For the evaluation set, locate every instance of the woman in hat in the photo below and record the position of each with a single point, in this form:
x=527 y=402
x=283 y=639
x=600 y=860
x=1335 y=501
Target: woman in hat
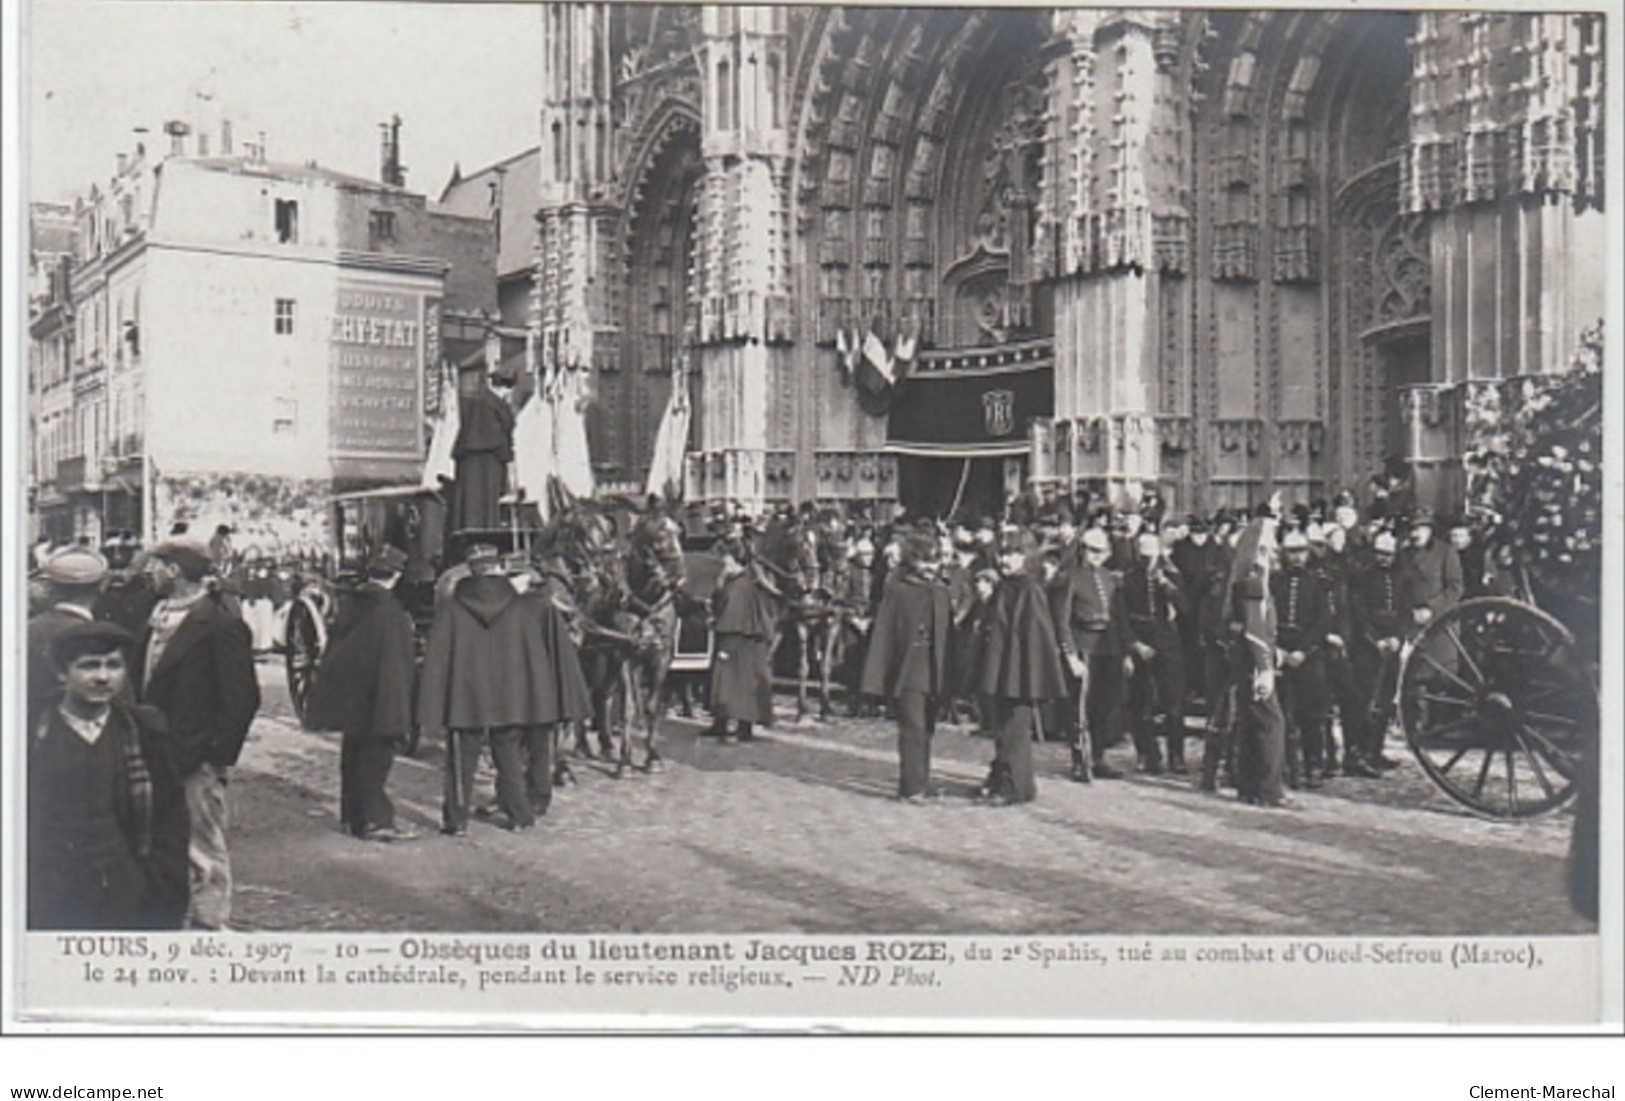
x=743 y=621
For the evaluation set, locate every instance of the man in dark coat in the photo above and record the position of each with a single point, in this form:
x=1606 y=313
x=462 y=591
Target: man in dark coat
x=487 y=672
x=107 y=823
x=1091 y=624
x=1380 y=622
x=546 y=602
x=1020 y=671
x=1155 y=603
x=482 y=451
x=197 y=664
x=364 y=689
x=908 y=659
x=1433 y=585
x=743 y=618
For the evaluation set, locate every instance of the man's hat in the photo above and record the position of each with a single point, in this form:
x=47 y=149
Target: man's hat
x=483 y=554
x=1384 y=543
x=75 y=566
x=387 y=559
x=990 y=576
x=89 y=637
x=1295 y=540
x=1095 y=539
x=1423 y=516
x=191 y=556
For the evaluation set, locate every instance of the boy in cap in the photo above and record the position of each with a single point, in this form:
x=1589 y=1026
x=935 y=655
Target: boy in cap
x=107 y=822
x=363 y=688
x=197 y=668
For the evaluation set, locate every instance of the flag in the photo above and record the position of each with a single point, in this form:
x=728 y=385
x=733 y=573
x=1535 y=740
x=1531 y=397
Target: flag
x=847 y=352
x=443 y=433
x=877 y=369
x=574 y=457
x=533 y=459
x=666 y=467
x=906 y=347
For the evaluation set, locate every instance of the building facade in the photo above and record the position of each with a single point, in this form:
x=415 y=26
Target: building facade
x=1218 y=254
x=234 y=340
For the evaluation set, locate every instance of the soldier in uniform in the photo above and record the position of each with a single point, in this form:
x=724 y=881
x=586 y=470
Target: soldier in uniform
x=1154 y=602
x=1379 y=619
x=907 y=661
x=1202 y=564
x=1302 y=608
x=1091 y=626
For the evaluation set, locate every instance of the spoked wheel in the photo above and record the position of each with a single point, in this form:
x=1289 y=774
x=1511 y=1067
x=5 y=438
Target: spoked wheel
x=306 y=639
x=1498 y=707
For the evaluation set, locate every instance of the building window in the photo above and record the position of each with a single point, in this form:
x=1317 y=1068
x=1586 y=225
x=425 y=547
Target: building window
x=284 y=317
x=381 y=228
x=287 y=221
x=285 y=421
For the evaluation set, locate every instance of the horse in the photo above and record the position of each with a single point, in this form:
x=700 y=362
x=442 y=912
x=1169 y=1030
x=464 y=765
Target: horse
x=806 y=558
x=626 y=592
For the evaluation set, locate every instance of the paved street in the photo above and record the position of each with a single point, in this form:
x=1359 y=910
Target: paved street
x=798 y=832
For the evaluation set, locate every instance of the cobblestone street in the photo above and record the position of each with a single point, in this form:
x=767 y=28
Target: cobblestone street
x=798 y=831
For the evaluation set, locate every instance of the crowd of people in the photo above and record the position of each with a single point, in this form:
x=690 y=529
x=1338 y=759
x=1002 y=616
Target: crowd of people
x=1279 y=629
x=1277 y=633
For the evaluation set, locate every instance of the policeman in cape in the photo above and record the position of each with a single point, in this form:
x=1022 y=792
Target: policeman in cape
x=1021 y=671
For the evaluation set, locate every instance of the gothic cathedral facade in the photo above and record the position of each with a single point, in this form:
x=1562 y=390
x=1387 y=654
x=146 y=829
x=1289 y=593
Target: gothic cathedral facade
x=933 y=255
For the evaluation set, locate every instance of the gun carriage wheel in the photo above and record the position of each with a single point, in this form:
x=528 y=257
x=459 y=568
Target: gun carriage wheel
x=1499 y=706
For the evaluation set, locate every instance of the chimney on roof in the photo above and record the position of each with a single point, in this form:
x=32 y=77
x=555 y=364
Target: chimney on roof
x=177 y=131
x=390 y=170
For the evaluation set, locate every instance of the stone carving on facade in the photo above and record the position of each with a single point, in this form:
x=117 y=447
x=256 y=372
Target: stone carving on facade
x=1176 y=435
x=1244 y=436
x=1403 y=271
x=1300 y=437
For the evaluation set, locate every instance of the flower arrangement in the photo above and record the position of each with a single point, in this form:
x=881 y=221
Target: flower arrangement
x=1534 y=467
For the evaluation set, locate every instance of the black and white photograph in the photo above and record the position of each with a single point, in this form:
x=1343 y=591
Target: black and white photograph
x=1062 y=514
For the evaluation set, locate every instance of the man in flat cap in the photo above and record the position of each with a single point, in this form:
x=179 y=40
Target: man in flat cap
x=72 y=580
x=363 y=688
x=107 y=822
x=197 y=668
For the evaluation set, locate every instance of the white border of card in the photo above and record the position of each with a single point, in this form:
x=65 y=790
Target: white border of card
x=778 y=980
